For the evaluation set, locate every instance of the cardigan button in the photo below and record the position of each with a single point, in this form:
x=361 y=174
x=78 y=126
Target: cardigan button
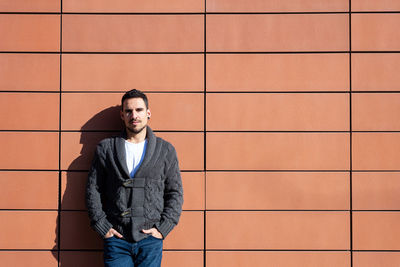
x=128 y=183
x=125 y=213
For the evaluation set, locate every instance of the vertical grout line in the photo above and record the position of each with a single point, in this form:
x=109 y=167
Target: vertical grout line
x=59 y=149
x=205 y=134
x=351 y=143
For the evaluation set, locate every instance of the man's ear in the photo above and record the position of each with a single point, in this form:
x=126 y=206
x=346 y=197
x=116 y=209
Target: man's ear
x=121 y=114
x=148 y=113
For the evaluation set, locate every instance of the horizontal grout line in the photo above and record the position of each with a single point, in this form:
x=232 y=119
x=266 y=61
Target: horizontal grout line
x=146 y=91
x=293 y=210
x=29 y=249
x=29 y=13
x=33 y=92
x=276 y=52
x=302 y=52
x=376 y=210
x=80 y=210
x=84 y=250
x=72 y=210
x=211 y=250
x=202 y=92
x=178 y=13
x=216 y=210
x=301 y=12
x=375 y=170
x=66 y=170
x=29 y=170
x=189 y=171
x=103 y=92
x=102 y=13
x=250 y=131
x=375 y=250
x=375 y=52
x=322 y=171
x=374 y=12
x=375 y=92
x=39 y=210
x=197 y=52
x=171 y=131
x=277 y=92
x=31 y=131
x=134 y=13
x=116 y=131
x=30 y=52
x=88 y=170
x=97 y=53
x=225 y=13
x=198 y=13
x=133 y=53
x=299 y=250
x=299 y=92
x=288 y=250
x=375 y=131
x=221 y=210
x=272 y=210
x=300 y=171
x=277 y=170
x=176 y=249
x=184 y=92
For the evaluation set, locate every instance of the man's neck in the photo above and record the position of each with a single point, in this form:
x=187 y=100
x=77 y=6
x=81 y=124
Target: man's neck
x=136 y=137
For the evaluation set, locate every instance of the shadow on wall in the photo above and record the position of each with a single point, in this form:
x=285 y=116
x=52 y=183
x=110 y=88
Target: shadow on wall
x=78 y=244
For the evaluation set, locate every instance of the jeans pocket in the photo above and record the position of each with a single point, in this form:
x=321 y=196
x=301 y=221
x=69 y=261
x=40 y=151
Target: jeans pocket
x=109 y=238
x=156 y=238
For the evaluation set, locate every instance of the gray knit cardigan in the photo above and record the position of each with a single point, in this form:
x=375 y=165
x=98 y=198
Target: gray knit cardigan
x=152 y=198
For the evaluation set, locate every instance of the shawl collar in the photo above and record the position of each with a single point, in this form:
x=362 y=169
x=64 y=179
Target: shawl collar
x=121 y=155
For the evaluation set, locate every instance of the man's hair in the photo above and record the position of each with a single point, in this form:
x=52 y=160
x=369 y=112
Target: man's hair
x=134 y=94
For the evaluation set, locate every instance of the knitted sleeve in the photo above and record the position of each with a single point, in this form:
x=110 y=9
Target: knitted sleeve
x=94 y=188
x=173 y=197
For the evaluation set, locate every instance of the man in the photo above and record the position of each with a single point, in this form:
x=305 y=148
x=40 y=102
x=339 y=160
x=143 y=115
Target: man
x=134 y=192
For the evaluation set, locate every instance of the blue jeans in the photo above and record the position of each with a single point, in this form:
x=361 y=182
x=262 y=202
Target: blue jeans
x=121 y=253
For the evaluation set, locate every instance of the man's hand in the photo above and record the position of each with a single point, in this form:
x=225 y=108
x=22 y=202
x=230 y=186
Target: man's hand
x=154 y=232
x=112 y=232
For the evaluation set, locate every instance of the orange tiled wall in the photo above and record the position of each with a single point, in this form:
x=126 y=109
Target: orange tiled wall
x=285 y=115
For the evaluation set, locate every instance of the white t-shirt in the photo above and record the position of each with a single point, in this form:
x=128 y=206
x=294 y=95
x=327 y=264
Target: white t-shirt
x=134 y=153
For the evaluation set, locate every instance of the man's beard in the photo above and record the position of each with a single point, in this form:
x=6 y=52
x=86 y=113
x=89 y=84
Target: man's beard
x=135 y=131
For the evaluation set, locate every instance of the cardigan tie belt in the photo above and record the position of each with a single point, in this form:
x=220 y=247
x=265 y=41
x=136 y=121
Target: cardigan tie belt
x=133 y=212
x=135 y=182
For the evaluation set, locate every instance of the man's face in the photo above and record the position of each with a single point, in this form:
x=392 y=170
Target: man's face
x=135 y=115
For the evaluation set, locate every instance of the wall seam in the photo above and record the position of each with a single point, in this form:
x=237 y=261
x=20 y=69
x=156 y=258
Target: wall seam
x=351 y=138
x=59 y=149
x=205 y=137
